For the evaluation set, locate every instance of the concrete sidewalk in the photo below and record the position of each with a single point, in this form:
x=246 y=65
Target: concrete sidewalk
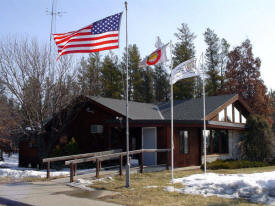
x=49 y=193
x=56 y=192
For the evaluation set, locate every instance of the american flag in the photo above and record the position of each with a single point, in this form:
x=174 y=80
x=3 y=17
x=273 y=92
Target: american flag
x=100 y=35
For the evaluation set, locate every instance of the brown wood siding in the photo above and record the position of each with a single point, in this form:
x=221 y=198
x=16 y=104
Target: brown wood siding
x=28 y=155
x=81 y=126
x=161 y=144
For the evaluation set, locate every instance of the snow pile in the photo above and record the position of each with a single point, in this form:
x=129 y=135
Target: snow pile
x=9 y=161
x=257 y=187
x=9 y=168
x=84 y=184
x=23 y=172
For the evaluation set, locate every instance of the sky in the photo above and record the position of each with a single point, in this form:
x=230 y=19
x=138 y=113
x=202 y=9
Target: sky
x=234 y=20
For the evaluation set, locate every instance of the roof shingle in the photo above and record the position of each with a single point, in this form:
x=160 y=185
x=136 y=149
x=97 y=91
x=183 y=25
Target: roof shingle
x=190 y=109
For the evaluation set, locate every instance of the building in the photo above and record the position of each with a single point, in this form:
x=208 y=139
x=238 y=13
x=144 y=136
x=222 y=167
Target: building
x=98 y=124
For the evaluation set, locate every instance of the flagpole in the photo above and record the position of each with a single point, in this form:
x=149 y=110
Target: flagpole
x=204 y=123
x=127 y=110
x=172 y=118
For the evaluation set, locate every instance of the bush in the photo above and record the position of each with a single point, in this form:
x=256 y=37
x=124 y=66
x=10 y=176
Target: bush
x=233 y=164
x=71 y=148
x=256 y=144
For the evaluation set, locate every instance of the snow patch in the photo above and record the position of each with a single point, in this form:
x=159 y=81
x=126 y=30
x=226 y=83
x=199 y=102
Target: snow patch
x=9 y=168
x=256 y=187
x=84 y=184
x=151 y=186
x=134 y=162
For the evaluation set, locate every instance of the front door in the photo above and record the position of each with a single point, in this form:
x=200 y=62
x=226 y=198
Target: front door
x=187 y=147
x=149 y=141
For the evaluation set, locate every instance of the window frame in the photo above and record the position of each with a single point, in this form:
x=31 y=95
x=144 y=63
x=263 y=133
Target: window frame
x=182 y=145
x=98 y=131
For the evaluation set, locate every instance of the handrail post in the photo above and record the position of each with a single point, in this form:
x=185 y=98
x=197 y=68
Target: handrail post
x=71 y=172
x=121 y=163
x=97 y=168
x=48 y=170
x=75 y=168
x=141 y=162
x=167 y=163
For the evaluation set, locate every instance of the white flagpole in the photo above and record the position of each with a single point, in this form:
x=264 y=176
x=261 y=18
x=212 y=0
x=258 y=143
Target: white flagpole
x=204 y=123
x=127 y=120
x=172 y=118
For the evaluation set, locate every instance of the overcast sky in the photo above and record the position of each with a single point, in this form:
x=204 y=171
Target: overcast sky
x=234 y=20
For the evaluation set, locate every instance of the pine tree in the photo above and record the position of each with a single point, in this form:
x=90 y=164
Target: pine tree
x=147 y=85
x=212 y=62
x=184 y=50
x=272 y=96
x=134 y=72
x=223 y=61
x=161 y=84
x=243 y=77
x=111 y=78
x=89 y=75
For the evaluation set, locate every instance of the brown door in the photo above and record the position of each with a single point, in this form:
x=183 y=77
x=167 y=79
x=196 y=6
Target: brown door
x=187 y=147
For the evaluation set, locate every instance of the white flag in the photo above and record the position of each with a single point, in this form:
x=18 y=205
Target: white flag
x=185 y=70
x=156 y=57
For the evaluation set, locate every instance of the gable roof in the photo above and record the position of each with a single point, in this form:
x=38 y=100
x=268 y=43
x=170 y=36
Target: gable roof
x=192 y=109
x=137 y=110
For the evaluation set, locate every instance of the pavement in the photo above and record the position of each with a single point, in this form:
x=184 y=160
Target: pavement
x=54 y=192
x=57 y=193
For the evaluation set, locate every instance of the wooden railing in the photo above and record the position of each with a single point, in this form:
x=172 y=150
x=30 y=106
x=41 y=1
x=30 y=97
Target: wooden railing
x=98 y=159
x=75 y=157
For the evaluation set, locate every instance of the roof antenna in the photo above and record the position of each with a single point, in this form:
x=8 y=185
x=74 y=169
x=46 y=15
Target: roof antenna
x=53 y=14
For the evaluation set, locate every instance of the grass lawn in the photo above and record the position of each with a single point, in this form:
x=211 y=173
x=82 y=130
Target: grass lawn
x=138 y=194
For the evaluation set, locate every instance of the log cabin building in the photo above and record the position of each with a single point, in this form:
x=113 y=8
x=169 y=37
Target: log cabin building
x=98 y=124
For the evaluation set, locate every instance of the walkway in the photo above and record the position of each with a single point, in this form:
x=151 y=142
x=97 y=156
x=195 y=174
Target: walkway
x=54 y=192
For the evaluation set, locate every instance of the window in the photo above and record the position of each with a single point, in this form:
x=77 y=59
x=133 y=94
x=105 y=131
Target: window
x=229 y=113
x=184 y=142
x=243 y=119
x=96 y=129
x=237 y=115
x=221 y=115
x=224 y=141
x=208 y=140
x=217 y=141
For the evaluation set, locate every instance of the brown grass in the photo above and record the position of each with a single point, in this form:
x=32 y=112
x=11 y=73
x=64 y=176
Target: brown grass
x=138 y=194
x=6 y=180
